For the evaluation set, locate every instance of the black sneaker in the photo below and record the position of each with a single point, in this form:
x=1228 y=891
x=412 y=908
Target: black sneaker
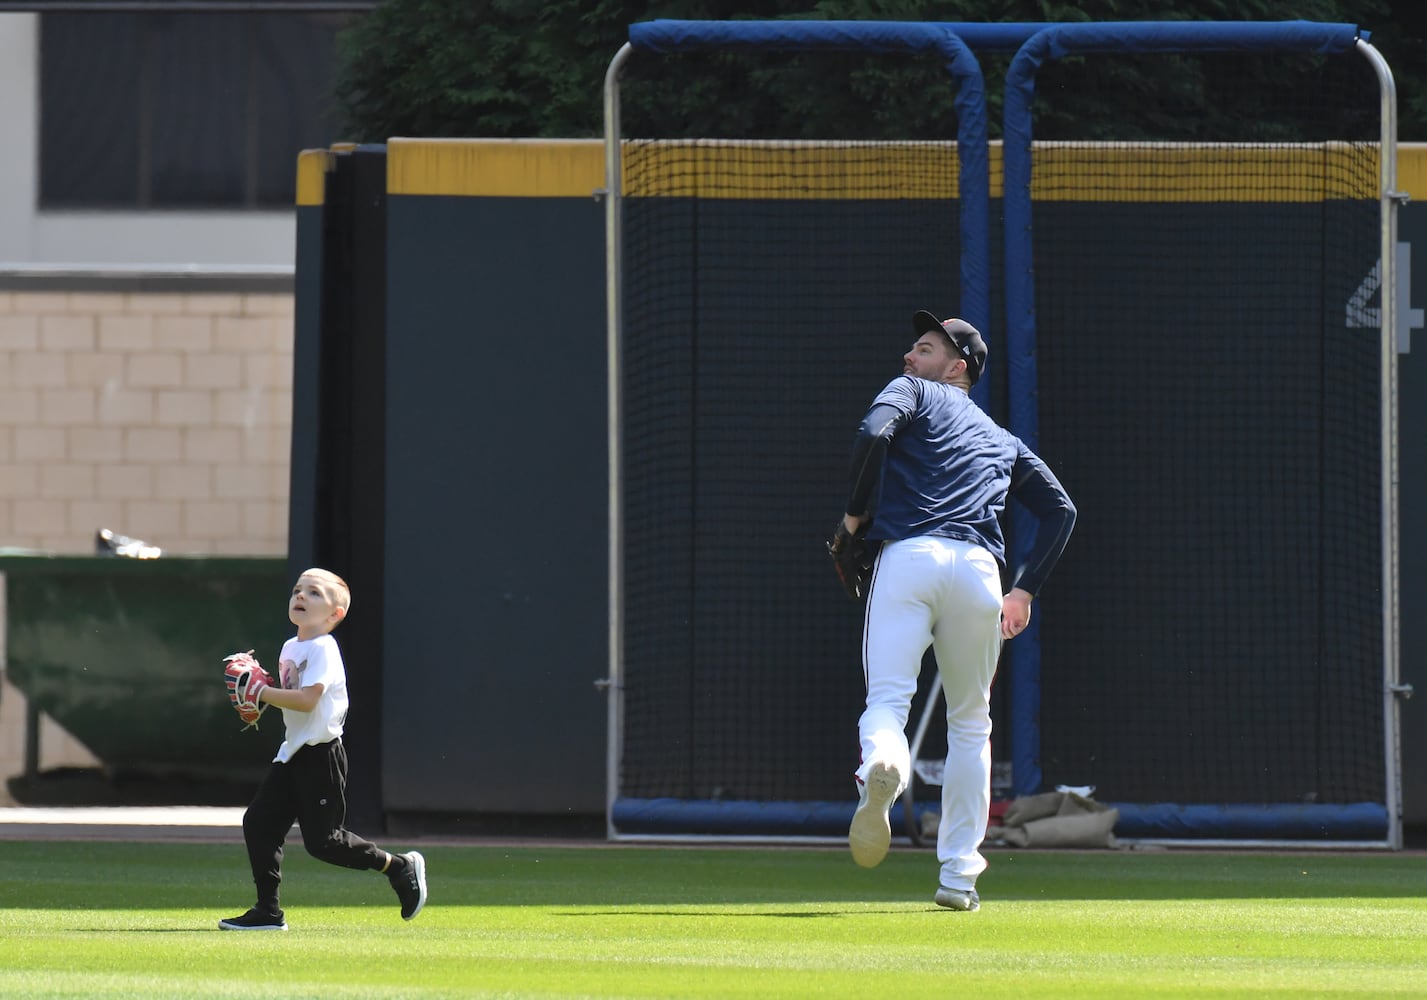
x=410 y=885
x=254 y=920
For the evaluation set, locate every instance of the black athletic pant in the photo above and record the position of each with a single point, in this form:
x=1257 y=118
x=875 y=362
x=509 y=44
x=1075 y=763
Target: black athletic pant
x=311 y=789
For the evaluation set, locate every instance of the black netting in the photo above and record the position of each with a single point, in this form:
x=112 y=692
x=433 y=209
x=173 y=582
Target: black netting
x=761 y=319
x=1205 y=392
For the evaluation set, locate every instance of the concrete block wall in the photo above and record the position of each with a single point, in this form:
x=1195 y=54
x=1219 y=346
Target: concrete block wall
x=164 y=416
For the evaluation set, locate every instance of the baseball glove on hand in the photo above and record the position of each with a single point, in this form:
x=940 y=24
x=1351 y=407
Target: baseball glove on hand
x=245 y=679
x=853 y=557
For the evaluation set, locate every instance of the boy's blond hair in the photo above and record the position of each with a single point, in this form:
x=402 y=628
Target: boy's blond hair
x=341 y=593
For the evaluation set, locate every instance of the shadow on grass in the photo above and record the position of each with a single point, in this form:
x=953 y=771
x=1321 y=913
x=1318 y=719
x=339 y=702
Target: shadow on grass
x=725 y=914
x=144 y=930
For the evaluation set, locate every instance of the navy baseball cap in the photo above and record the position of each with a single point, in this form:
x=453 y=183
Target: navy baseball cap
x=964 y=337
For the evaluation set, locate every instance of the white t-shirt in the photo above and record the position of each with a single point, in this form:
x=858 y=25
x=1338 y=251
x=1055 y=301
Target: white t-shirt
x=303 y=663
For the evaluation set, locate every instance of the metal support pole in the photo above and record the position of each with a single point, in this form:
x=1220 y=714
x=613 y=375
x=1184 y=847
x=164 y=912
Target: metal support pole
x=1390 y=198
x=613 y=683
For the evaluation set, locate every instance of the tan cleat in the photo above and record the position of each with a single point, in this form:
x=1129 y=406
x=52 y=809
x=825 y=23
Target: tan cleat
x=871 y=834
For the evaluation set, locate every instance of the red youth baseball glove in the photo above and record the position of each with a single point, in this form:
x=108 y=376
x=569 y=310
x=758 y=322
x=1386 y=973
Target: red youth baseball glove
x=245 y=679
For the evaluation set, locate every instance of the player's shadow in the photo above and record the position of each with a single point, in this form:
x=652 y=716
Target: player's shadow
x=143 y=930
x=791 y=914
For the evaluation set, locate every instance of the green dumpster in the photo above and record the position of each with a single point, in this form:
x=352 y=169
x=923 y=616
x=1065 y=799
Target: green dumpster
x=127 y=655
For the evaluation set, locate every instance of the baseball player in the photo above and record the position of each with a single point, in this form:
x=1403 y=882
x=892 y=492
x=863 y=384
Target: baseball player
x=929 y=481
x=307 y=780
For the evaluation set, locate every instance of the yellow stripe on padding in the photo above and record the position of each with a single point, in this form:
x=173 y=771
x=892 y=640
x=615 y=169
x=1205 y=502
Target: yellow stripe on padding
x=1138 y=172
x=313 y=166
x=1071 y=171
x=715 y=168
x=1412 y=169
x=1204 y=172
x=511 y=168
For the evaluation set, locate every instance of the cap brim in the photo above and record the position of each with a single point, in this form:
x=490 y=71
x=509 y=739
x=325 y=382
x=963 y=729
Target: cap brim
x=925 y=322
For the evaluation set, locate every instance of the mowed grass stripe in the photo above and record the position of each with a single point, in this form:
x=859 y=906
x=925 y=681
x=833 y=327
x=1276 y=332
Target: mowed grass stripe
x=120 y=920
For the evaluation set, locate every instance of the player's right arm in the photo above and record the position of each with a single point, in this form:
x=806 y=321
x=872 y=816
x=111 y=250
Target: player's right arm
x=298 y=700
x=1035 y=487
x=1015 y=612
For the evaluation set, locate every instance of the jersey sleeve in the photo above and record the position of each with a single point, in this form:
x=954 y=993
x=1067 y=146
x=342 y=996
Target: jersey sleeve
x=1035 y=487
x=892 y=408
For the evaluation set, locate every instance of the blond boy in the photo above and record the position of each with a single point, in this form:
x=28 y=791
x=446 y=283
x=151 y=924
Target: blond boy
x=307 y=780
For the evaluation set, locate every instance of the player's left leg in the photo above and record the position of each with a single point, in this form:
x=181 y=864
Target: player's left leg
x=897 y=632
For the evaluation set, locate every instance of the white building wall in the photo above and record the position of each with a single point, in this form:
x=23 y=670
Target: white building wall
x=240 y=238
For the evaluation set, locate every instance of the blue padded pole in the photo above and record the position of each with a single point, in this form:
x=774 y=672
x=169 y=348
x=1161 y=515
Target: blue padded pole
x=673 y=35
x=1056 y=42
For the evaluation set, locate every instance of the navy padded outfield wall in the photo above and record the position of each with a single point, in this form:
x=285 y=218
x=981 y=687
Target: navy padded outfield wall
x=1346 y=807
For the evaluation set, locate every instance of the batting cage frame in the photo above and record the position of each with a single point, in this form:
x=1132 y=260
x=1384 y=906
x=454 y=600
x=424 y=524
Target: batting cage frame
x=668 y=815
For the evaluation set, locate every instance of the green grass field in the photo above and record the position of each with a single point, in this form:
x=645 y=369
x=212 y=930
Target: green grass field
x=83 y=919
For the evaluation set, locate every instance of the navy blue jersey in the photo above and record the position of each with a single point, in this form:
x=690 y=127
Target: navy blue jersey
x=929 y=461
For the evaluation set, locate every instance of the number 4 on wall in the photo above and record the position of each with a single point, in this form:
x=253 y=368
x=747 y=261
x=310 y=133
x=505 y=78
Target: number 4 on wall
x=1408 y=319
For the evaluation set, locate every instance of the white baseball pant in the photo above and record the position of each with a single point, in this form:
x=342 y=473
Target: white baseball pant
x=937 y=592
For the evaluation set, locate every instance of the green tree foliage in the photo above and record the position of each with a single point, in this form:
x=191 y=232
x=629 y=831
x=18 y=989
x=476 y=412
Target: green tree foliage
x=536 y=68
